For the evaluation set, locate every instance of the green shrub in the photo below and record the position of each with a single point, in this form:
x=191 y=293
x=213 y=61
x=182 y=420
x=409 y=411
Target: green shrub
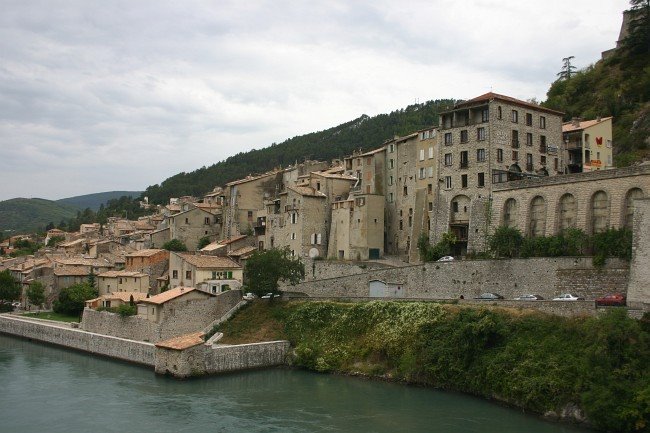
x=125 y=310
x=505 y=242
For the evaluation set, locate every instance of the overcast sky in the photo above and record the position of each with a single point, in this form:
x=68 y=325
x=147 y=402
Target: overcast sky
x=119 y=95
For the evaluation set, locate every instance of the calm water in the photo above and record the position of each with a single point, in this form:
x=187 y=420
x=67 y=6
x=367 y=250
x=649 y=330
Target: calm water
x=47 y=389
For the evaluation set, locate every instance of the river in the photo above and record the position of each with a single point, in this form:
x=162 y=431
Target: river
x=48 y=389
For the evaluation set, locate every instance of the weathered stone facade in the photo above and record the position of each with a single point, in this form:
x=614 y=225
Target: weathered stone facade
x=638 y=294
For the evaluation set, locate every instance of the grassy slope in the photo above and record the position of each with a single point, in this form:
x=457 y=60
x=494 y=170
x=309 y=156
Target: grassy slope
x=537 y=362
x=25 y=215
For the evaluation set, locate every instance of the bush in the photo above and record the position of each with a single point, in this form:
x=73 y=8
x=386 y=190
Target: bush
x=125 y=310
x=174 y=245
x=506 y=242
x=72 y=299
x=431 y=253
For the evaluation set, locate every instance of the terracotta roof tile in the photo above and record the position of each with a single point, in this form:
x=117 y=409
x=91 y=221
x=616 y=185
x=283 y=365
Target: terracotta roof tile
x=584 y=124
x=213 y=262
x=183 y=342
x=116 y=274
x=171 y=294
x=145 y=253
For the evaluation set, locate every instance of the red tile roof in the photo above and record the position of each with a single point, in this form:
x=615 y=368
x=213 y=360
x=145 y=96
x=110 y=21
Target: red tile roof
x=583 y=124
x=491 y=95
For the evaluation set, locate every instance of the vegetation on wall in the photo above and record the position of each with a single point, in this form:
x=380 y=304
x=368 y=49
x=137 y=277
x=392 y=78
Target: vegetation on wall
x=264 y=269
x=431 y=253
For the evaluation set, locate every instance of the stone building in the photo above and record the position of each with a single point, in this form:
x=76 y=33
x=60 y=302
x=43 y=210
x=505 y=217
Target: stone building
x=191 y=225
x=593 y=201
x=191 y=270
x=486 y=141
x=122 y=281
x=588 y=145
x=356 y=231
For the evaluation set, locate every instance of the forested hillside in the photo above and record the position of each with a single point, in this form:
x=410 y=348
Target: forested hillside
x=94 y=201
x=25 y=215
x=362 y=133
x=618 y=86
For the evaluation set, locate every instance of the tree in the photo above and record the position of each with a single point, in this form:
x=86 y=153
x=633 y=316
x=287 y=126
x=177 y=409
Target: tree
x=36 y=293
x=71 y=299
x=174 y=245
x=54 y=240
x=203 y=242
x=264 y=269
x=431 y=253
x=567 y=69
x=9 y=288
x=506 y=241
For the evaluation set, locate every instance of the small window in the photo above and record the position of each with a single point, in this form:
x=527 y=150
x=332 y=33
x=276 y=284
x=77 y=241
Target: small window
x=187 y=220
x=485 y=115
x=421 y=154
x=391 y=163
x=391 y=148
x=430 y=171
x=430 y=206
x=542 y=159
x=390 y=197
x=480 y=180
x=430 y=188
x=464 y=136
x=529 y=139
x=175 y=274
x=555 y=164
x=449 y=159
x=422 y=172
x=463 y=181
x=454 y=206
x=448 y=139
x=515 y=116
x=499 y=113
x=431 y=152
x=448 y=182
x=542 y=122
x=188 y=275
x=480 y=155
x=480 y=134
x=515 y=138
x=515 y=155
x=390 y=180
x=529 y=119
x=406 y=191
x=499 y=155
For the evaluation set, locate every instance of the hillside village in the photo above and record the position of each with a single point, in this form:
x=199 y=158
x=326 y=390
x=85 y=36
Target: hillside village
x=493 y=161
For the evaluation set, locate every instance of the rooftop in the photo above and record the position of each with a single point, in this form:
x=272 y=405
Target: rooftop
x=145 y=253
x=487 y=97
x=582 y=124
x=212 y=262
x=116 y=274
x=183 y=342
x=171 y=294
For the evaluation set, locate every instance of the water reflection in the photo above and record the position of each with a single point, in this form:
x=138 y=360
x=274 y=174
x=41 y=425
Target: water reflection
x=56 y=390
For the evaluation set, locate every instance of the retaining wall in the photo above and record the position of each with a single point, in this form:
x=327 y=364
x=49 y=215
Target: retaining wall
x=548 y=277
x=113 y=347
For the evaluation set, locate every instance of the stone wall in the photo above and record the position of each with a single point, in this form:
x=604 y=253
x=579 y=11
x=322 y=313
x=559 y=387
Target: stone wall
x=59 y=334
x=638 y=294
x=564 y=308
x=184 y=318
x=547 y=277
x=323 y=269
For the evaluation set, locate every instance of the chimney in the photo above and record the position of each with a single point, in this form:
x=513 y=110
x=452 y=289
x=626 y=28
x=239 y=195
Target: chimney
x=576 y=122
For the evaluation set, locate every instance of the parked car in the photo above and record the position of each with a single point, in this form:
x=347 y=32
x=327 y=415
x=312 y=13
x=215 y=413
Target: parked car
x=529 y=298
x=613 y=299
x=15 y=304
x=489 y=296
x=568 y=297
x=248 y=297
x=446 y=259
x=271 y=296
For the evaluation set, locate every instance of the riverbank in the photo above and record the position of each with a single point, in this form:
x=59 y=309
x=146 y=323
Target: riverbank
x=586 y=369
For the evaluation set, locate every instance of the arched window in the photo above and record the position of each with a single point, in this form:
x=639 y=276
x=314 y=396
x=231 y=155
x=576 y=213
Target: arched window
x=537 y=217
x=599 y=212
x=633 y=194
x=510 y=213
x=568 y=211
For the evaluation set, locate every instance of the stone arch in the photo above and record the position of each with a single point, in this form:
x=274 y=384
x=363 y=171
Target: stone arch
x=510 y=213
x=599 y=212
x=460 y=209
x=567 y=212
x=628 y=210
x=537 y=218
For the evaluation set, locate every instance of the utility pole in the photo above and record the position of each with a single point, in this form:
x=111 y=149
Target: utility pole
x=568 y=69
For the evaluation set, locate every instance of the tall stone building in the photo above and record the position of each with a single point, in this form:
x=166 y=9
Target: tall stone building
x=484 y=141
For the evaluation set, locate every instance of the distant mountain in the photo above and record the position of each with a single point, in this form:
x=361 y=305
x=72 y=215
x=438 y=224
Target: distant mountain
x=362 y=133
x=26 y=215
x=93 y=201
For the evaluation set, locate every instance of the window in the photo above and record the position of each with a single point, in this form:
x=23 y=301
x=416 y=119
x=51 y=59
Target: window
x=454 y=206
x=499 y=112
x=515 y=138
x=485 y=115
x=529 y=119
x=529 y=161
x=529 y=139
x=480 y=134
x=317 y=186
x=175 y=274
x=481 y=180
x=515 y=155
x=463 y=181
x=390 y=197
x=430 y=152
x=390 y=180
x=542 y=144
x=410 y=221
x=542 y=122
x=421 y=154
x=555 y=164
x=406 y=191
x=391 y=163
x=422 y=173
x=430 y=188
x=401 y=224
x=430 y=206
x=464 y=160
x=464 y=136
x=448 y=139
x=206 y=221
x=358 y=162
x=294 y=218
x=515 y=116
x=499 y=155
x=480 y=155
x=542 y=160
x=430 y=171
x=391 y=148
x=187 y=220
x=449 y=160
x=188 y=275
x=293 y=236
x=369 y=160
x=448 y=182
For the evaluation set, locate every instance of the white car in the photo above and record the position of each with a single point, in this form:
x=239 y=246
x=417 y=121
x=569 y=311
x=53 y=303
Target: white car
x=15 y=304
x=568 y=297
x=248 y=296
x=270 y=296
x=446 y=259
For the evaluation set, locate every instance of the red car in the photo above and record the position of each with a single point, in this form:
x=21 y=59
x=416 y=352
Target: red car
x=613 y=299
